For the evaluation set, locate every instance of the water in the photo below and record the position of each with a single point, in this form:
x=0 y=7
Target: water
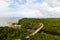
x=4 y=20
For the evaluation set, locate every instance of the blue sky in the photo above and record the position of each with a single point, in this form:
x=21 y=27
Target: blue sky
x=30 y=8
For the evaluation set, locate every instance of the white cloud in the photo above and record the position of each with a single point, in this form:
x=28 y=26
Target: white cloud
x=3 y=4
x=31 y=13
x=53 y=3
x=45 y=8
x=22 y=13
x=49 y=8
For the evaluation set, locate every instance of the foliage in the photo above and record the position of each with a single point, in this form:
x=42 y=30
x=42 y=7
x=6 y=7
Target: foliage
x=50 y=24
x=7 y=33
x=39 y=36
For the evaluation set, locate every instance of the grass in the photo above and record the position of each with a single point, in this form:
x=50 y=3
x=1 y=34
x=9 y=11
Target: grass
x=50 y=25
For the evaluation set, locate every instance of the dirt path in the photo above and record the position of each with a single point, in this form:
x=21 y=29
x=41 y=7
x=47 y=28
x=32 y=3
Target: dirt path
x=37 y=30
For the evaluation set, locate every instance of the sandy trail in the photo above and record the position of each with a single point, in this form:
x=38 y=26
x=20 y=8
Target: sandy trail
x=37 y=30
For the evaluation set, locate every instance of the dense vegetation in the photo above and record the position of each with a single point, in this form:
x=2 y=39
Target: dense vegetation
x=39 y=36
x=50 y=25
x=7 y=33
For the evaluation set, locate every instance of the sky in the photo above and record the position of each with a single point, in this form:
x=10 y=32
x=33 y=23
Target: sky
x=30 y=8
